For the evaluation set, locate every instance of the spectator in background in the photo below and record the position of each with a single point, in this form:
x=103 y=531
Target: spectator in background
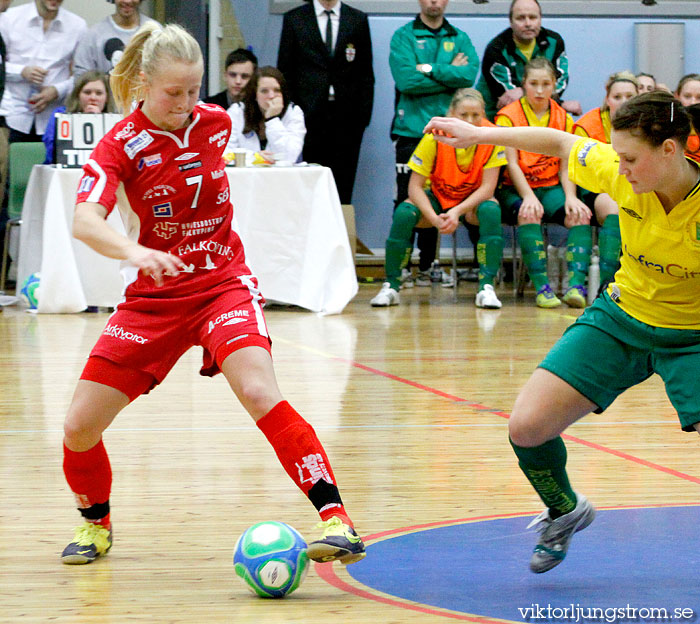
x=240 y=67
x=645 y=82
x=505 y=57
x=688 y=92
x=266 y=121
x=597 y=124
x=37 y=30
x=326 y=56
x=91 y=94
x=104 y=43
x=449 y=186
x=536 y=189
x=429 y=59
x=4 y=132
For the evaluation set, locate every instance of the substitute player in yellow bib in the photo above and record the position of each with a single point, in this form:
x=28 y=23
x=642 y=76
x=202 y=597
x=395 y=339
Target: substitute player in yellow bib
x=648 y=319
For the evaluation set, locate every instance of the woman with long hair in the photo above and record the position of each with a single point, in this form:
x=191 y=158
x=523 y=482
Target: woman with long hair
x=187 y=284
x=647 y=320
x=266 y=121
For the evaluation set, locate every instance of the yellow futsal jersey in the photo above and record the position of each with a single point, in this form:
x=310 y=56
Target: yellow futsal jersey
x=423 y=158
x=658 y=282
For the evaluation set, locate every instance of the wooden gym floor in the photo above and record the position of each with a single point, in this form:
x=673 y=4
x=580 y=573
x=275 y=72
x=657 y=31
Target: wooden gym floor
x=411 y=404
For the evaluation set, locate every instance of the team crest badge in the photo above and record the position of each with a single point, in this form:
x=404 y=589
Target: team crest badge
x=694 y=232
x=448 y=46
x=350 y=53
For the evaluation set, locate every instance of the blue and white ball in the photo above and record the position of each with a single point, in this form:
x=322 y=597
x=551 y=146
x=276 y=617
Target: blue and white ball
x=30 y=290
x=271 y=559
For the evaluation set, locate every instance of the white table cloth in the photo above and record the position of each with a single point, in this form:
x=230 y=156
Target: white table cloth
x=289 y=219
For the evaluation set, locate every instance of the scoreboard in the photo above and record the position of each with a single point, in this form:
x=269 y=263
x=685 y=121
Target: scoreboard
x=77 y=134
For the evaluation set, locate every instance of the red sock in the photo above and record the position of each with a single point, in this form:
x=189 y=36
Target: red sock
x=302 y=456
x=89 y=476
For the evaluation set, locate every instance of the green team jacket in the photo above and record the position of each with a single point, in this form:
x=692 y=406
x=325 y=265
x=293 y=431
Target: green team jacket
x=503 y=65
x=420 y=97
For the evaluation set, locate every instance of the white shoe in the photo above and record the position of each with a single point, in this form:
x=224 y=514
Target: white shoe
x=406 y=279
x=387 y=296
x=486 y=298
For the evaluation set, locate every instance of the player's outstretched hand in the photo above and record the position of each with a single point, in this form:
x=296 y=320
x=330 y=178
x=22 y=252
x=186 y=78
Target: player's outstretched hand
x=451 y=131
x=155 y=263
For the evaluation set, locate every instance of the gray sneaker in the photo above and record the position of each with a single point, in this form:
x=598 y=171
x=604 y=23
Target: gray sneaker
x=556 y=534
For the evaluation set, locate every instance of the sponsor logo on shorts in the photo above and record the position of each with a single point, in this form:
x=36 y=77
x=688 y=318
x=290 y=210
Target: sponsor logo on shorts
x=163 y=210
x=138 y=143
x=588 y=146
x=187 y=156
x=191 y=165
x=119 y=332
x=229 y=318
x=86 y=184
x=219 y=173
x=150 y=161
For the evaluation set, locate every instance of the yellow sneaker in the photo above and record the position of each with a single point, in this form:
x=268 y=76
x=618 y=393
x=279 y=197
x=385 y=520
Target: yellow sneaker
x=338 y=542
x=576 y=297
x=89 y=542
x=546 y=298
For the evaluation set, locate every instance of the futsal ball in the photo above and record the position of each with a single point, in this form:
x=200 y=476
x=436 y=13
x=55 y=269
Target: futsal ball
x=271 y=559
x=29 y=293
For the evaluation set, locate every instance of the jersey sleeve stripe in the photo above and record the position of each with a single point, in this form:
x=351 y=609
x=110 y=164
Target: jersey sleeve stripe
x=97 y=190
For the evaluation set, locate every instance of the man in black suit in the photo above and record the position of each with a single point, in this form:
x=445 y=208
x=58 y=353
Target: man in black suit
x=326 y=56
x=240 y=67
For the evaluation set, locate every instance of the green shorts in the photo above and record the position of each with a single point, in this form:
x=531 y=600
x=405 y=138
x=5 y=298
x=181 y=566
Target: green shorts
x=552 y=199
x=607 y=351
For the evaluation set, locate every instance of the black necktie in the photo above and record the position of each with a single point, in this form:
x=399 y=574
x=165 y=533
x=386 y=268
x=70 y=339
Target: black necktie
x=329 y=33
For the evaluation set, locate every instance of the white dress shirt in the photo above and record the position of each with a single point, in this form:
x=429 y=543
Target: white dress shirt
x=22 y=29
x=285 y=135
x=322 y=20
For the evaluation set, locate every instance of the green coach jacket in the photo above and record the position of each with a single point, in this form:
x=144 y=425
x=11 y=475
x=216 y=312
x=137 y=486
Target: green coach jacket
x=503 y=65
x=420 y=96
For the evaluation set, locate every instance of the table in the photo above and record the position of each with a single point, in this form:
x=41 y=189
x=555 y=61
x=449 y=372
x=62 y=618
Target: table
x=289 y=219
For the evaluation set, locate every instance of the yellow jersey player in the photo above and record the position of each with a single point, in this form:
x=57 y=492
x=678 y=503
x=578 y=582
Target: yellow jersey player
x=648 y=319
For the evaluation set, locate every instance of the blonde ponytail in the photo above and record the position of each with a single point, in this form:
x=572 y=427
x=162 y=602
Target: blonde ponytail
x=147 y=51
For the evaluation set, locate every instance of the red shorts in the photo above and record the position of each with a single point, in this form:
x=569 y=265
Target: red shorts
x=150 y=334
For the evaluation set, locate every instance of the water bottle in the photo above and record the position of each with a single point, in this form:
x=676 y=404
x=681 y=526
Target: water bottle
x=593 y=278
x=435 y=271
x=553 y=267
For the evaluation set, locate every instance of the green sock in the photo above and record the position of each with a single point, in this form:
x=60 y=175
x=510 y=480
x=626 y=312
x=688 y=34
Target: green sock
x=489 y=249
x=398 y=245
x=534 y=255
x=609 y=247
x=578 y=254
x=545 y=468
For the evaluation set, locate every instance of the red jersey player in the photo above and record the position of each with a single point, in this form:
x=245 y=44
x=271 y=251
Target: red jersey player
x=182 y=260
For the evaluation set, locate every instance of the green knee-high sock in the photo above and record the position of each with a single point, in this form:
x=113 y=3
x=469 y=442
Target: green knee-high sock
x=398 y=245
x=578 y=254
x=545 y=468
x=489 y=249
x=534 y=255
x=609 y=247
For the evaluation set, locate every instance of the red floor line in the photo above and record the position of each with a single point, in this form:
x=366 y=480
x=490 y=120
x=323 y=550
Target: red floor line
x=566 y=436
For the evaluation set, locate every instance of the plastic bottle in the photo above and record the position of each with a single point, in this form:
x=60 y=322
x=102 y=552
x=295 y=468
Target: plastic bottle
x=553 y=276
x=435 y=272
x=593 y=278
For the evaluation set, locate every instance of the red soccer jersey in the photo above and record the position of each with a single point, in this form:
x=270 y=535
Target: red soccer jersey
x=178 y=197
